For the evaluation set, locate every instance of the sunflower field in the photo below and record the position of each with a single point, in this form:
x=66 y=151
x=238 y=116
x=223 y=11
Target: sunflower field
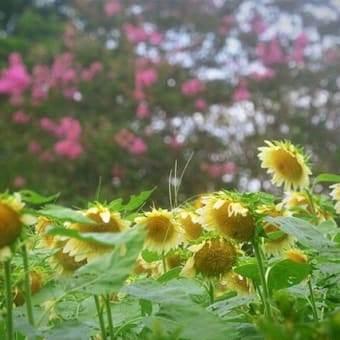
x=222 y=265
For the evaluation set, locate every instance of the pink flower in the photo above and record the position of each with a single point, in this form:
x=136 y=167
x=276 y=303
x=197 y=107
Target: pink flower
x=69 y=128
x=215 y=170
x=223 y=31
x=271 y=53
x=192 y=87
x=300 y=43
x=266 y=73
x=175 y=143
x=68 y=148
x=20 y=117
x=301 y=40
x=229 y=20
x=143 y=110
x=138 y=146
x=147 y=77
x=200 y=104
x=229 y=168
x=48 y=125
x=134 y=34
x=19 y=182
x=241 y=93
x=112 y=7
x=155 y=38
x=34 y=147
x=257 y=24
x=46 y=156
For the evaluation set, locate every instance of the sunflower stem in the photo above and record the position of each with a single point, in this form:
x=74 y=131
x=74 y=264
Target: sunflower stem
x=100 y=317
x=265 y=290
x=312 y=206
x=9 y=300
x=27 y=285
x=164 y=262
x=109 y=316
x=312 y=300
x=211 y=292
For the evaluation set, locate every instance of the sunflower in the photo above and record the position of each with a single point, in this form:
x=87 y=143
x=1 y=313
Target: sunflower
x=190 y=224
x=153 y=269
x=287 y=163
x=296 y=255
x=299 y=203
x=11 y=219
x=45 y=241
x=106 y=222
x=212 y=257
x=163 y=231
x=275 y=244
x=335 y=194
x=228 y=216
x=234 y=282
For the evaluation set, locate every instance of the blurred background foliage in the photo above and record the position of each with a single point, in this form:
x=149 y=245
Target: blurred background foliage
x=116 y=93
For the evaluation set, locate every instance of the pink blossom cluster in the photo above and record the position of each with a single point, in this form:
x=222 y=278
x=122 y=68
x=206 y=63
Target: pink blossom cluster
x=241 y=93
x=271 y=52
x=143 y=110
x=20 y=117
x=218 y=170
x=68 y=130
x=136 y=34
x=227 y=23
x=145 y=76
x=112 y=7
x=130 y=142
x=200 y=104
x=299 y=45
x=192 y=87
x=266 y=73
x=15 y=79
x=257 y=23
x=40 y=84
x=87 y=74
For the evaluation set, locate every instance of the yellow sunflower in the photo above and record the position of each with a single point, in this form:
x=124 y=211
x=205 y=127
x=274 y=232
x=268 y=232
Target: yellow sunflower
x=296 y=255
x=275 y=246
x=189 y=221
x=11 y=219
x=212 y=257
x=107 y=222
x=335 y=194
x=153 y=269
x=234 y=282
x=298 y=202
x=287 y=163
x=228 y=216
x=163 y=231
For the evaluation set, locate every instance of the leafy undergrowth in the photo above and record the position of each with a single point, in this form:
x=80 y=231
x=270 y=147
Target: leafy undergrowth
x=225 y=265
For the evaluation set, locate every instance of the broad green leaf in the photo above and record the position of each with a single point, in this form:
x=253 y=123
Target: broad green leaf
x=170 y=275
x=67 y=310
x=106 y=274
x=327 y=178
x=134 y=203
x=32 y=197
x=224 y=307
x=304 y=232
x=108 y=239
x=177 y=310
x=287 y=273
x=150 y=256
x=74 y=330
x=250 y=270
x=64 y=214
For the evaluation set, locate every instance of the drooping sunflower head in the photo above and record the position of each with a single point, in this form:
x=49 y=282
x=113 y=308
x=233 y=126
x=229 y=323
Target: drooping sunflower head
x=45 y=241
x=299 y=203
x=296 y=255
x=234 y=282
x=227 y=215
x=335 y=194
x=212 y=257
x=142 y=267
x=163 y=231
x=10 y=219
x=287 y=163
x=106 y=222
x=189 y=222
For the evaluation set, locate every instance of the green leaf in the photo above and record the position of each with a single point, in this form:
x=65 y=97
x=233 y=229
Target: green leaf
x=170 y=275
x=287 y=273
x=250 y=270
x=134 y=203
x=177 y=310
x=32 y=197
x=327 y=178
x=108 y=239
x=224 y=307
x=106 y=274
x=150 y=256
x=304 y=232
x=73 y=329
x=64 y=214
